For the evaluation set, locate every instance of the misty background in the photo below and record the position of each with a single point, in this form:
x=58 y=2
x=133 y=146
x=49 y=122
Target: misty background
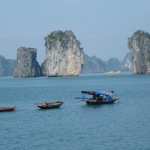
x=102 y=27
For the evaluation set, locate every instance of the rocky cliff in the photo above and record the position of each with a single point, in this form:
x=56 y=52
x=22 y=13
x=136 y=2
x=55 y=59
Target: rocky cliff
x=7 y=66
x=27 y=65
x=127 y=63
x=139 y=44
x=64 y=56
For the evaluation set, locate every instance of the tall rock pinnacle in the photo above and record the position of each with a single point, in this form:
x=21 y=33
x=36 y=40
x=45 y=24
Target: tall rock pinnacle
x=64 y=57
x=27 y=65
x=139 y=44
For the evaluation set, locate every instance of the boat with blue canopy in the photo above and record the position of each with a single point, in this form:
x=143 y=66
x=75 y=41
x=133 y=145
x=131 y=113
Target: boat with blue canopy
x=102 y=97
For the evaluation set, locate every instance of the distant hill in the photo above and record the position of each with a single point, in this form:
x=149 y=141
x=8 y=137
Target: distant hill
x=93 y=65
x=113 y=64
x=96 y=65
x=7 y=66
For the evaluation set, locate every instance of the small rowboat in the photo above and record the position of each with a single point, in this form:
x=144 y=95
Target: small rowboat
x=4 y=109
x=45 y=105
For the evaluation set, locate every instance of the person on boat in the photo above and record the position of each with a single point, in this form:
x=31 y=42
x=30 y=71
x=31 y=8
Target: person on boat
x=112 y=94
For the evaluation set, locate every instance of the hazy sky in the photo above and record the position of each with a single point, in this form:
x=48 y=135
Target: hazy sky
x=102 y=26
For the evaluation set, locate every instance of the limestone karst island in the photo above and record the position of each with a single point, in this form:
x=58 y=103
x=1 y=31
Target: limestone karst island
x=65 y=57
x=27 y=65
x=139 y=44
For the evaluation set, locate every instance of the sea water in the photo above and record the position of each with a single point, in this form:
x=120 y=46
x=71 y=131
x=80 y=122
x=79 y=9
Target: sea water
x=124 y=125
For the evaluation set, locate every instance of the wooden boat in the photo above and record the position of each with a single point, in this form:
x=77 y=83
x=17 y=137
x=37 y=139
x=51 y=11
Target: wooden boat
x=95 y=101
x=101 y=97
x=45 y=105
x=4 y=109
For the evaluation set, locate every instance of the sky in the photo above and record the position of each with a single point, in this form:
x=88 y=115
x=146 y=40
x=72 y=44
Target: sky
x=102 y=26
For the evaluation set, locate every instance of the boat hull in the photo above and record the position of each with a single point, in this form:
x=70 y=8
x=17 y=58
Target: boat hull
x=5 y=109
x=49 y=105
x=95 y=102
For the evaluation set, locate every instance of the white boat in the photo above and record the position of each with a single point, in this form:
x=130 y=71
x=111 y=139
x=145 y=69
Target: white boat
x=111 y=73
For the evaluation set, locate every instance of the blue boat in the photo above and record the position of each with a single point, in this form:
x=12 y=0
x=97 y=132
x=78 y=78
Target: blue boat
x=102 y=97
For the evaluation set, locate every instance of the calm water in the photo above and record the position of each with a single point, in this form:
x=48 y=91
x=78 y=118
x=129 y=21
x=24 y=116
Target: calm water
x=124 y=125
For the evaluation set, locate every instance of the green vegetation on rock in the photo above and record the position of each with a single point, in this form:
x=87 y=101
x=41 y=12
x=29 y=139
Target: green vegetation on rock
x=148 y=58
x=142 y=33
x=62 y=37
x=59 y=35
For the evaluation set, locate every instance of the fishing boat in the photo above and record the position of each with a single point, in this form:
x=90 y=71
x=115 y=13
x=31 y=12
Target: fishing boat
x=102 y=97
x=4 y=109
x=45 y=105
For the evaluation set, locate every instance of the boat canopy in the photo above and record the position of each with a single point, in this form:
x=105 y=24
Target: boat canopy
x=105 y=94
